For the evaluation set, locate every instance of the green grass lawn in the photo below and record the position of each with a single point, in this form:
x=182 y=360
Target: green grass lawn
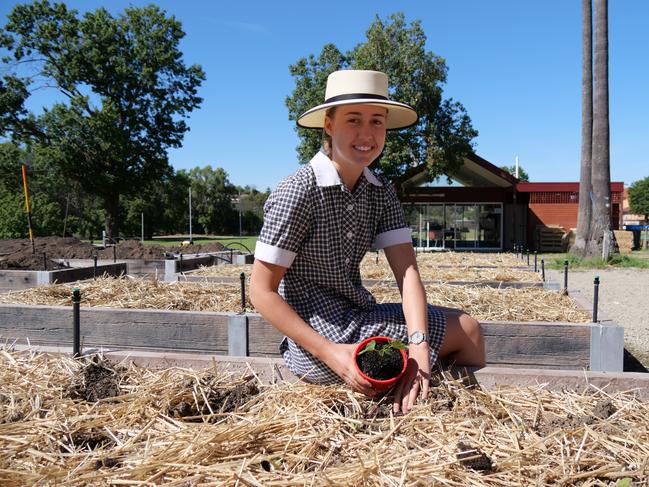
x=231 y=241
x=556 y=261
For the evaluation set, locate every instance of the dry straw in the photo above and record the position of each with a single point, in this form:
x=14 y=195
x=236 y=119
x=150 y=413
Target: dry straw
x=301 y=434
x=504 y=304
x=466 y=267
x=140 y=293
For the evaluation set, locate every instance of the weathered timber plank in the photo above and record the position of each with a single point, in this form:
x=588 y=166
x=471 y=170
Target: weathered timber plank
x=558 y=345
x=264 y=339
x=108 y=327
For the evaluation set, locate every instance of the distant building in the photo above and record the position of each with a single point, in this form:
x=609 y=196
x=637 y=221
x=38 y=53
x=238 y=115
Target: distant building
x=486 y=208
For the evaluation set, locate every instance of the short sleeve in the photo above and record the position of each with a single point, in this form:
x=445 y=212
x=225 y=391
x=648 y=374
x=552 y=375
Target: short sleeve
x=392 y=228
x=287 y=220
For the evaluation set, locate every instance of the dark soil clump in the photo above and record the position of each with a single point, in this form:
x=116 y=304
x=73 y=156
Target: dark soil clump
x=473 y=457
x=99 y=381
x=219 y=399
x=380 y=366
x=107 y=462
x=90 y=440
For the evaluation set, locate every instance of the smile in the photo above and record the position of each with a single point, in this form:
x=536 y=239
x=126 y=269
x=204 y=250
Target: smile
x=363 y=148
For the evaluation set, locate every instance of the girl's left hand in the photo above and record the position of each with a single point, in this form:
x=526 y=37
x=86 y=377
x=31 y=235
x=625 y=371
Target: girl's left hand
x=416 y=381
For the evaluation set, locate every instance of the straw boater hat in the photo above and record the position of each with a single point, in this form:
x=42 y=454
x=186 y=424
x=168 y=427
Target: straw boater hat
x=352 y=87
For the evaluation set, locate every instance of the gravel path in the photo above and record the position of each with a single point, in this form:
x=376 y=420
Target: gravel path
x=623 y=298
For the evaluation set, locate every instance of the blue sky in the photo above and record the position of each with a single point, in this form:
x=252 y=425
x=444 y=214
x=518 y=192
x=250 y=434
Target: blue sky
x=514 y=65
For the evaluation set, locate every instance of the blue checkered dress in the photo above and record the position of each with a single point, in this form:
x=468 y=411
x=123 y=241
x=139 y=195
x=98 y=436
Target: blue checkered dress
x=320 y=231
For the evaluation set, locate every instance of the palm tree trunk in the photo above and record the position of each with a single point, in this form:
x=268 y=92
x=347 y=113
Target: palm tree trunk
x=585 y=185
x=601 y=243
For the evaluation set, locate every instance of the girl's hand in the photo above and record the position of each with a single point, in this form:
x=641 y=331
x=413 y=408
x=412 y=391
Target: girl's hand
x=416 y=381
x=340 y=358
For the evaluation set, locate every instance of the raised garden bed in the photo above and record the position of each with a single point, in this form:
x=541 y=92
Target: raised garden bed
x=14 y=280
x=76 y=422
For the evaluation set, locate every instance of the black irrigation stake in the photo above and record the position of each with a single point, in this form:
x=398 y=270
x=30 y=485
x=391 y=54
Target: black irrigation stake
x=76 y=322
x=543 y=270
x=181 y=264
x=565 y=276
x=377 y=257
x=115 y=253
x=527 y=251
x=595 y=298
x=242 y=276
x=44 y=261
x=536 y=267
x=94 y=267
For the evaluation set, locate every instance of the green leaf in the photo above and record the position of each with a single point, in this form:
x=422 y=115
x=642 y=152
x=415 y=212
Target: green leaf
x=370 y=347
x=625 y=482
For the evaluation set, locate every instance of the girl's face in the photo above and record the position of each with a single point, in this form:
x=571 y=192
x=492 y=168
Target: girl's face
x=357 y=135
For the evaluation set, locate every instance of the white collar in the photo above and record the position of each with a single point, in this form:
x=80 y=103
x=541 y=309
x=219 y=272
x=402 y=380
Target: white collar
x=326 y=174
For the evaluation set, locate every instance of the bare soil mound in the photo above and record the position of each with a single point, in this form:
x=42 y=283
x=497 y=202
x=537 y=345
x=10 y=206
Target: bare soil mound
x=18 y=254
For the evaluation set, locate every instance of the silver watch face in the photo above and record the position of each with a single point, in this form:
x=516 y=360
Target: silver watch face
x=417 y=337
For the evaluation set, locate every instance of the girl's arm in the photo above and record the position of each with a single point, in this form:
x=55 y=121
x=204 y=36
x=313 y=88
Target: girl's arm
x=403 y=263
x=264 y=283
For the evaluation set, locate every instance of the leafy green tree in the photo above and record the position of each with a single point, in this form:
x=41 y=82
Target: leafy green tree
x=212 y=200
x=126 y=87
x=639 y=198
x=522 y=173
x=164 y=205
x=443 y=135
x=250 y=205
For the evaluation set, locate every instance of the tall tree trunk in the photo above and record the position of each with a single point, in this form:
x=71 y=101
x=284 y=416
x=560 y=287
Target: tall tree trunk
x=111 y=212
x=601 y=243
x=585 y=185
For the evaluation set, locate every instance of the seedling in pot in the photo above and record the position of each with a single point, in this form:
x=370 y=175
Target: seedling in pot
x=381 y=361
x=387 y=348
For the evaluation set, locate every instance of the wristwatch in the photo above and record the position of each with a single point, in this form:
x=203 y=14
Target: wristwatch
x=417 y=337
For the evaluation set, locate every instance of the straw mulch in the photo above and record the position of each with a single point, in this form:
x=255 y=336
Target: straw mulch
x=429 y=268
x=138 y=293
x=224 y=270
x=504 y=304
x=181 y=427
x=493 y=304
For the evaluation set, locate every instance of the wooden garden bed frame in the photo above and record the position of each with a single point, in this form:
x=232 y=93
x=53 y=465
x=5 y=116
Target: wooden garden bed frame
x=568 y=346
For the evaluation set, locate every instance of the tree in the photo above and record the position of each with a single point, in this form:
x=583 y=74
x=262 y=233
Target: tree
x=585 y=185
x=443 y=135
x=212 y=200
x=639 y=198
x=164 y=205
x=126 y=88
x=594 y=234
x=522 y=173
x=601 y=242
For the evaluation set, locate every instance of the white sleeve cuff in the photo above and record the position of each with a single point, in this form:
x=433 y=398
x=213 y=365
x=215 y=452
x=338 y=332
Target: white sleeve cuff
x=274 y=255
x=392 y=237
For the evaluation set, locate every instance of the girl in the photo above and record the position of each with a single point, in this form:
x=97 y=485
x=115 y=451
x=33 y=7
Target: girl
x=318 y=225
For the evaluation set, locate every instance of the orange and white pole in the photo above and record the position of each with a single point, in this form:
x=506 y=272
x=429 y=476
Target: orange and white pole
x=28 y=208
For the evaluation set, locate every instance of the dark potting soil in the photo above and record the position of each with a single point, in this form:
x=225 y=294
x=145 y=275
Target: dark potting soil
x=380 y=366
x=86 y=440
x=100 y=381
x=219 y=399
x=473 y=457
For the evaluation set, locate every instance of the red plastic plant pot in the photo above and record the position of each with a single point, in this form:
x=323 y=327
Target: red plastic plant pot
x=380 y=385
